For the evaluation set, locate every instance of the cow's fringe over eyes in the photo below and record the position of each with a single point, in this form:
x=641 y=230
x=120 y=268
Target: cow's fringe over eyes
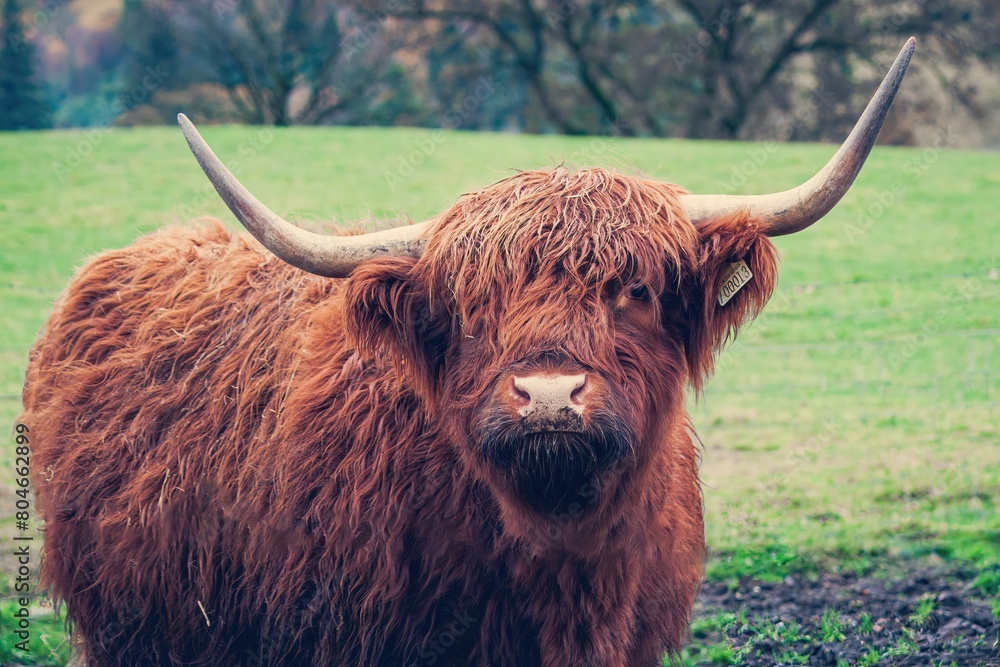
x=591 y=226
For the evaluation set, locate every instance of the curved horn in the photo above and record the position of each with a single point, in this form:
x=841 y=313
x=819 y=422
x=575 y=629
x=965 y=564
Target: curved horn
x=794 y=210
x=331 y=256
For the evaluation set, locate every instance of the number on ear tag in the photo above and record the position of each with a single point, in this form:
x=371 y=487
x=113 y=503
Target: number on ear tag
x=735 y=277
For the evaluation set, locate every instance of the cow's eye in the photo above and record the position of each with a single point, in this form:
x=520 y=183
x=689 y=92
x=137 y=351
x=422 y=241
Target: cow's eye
x=638 y=293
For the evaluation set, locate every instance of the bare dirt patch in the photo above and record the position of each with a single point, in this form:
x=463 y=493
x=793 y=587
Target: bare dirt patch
x=902 y=618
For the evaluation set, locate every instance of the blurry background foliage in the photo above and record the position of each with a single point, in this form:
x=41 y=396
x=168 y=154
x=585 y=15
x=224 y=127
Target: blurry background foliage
x=725 y=69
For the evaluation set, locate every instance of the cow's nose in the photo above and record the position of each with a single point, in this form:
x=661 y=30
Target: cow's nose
x=548 y=395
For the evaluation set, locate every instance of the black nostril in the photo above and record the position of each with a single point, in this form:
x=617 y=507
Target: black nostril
x=519 y=392
x=577 y=392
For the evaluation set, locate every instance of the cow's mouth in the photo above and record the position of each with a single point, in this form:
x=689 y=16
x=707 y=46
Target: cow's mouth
x=555 y=472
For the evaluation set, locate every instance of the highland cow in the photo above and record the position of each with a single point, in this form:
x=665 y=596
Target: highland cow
x=461 y=442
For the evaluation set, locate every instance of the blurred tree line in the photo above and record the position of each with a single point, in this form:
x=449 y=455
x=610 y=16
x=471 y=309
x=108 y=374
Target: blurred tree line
x=23 y=102
x=782 y=69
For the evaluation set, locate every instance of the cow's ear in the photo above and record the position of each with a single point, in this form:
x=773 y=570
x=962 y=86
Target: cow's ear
x=389 y=316
x=724 y=244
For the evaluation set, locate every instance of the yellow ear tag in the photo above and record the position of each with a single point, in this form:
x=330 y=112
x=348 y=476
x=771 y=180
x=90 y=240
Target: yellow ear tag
x=735 y=277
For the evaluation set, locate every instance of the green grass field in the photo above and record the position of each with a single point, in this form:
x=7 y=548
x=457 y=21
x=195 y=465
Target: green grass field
x=855 y=422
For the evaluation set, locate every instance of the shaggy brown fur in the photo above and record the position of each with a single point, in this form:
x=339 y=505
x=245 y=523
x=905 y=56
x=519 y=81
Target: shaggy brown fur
x=240 y=463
